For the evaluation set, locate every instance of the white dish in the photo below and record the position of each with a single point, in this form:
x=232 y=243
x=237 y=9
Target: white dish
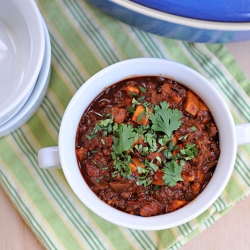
x=22 y=48
x=66 y=156
x=37 y=94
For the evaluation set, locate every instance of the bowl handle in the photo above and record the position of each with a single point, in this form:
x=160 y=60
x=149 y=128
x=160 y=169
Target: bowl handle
x=243 y=133
x=49 y=158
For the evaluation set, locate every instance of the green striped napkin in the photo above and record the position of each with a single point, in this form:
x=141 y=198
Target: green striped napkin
x=84 y=40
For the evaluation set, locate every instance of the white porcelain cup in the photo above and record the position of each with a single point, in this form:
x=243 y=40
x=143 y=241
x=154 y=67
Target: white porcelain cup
x=229 y=137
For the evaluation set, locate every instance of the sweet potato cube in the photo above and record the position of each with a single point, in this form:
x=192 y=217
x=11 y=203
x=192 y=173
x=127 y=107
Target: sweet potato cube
x=173 y=93
x=200 y=177
x=158 y=181
x=132 y=91
x=119 y=114
x=195 y=187
x=174 y=205
x=136 y=163
x=202 y=106
x=82 y=153
x=191 y=104
x=174 y=139
x=132 y=167
x=140 y=115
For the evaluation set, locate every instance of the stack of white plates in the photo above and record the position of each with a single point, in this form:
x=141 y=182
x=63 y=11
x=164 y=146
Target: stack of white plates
x=25 y=60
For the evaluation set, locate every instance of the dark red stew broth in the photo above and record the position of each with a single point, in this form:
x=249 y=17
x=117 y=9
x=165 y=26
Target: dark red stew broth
x=147 y=145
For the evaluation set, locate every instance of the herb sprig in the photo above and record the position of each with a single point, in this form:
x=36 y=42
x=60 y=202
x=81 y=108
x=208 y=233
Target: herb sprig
x=156 y=139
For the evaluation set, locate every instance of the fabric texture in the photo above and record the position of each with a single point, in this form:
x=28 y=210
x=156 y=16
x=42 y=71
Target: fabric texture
x=84 y=41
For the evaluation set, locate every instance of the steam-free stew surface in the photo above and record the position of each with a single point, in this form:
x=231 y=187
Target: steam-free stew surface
x=147 y=146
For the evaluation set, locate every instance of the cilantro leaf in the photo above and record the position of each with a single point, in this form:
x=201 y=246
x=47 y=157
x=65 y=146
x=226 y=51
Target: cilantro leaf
x=142 y=89
x=126 y=137
x=193 y=128
x=172 y=173
x=165 y=119
x=162 y=141
x=188 y=152
x=150 y=139
x=144 y=182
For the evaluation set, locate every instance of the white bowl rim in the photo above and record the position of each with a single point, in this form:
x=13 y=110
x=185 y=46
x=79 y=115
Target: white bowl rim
x=195 y=23
x=73 y=175
x=35 y=16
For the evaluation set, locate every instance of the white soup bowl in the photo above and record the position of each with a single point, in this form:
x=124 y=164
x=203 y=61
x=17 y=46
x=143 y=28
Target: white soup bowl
x=64 y=155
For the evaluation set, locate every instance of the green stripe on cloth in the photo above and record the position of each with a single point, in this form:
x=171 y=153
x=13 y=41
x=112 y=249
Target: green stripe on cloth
x=84 y=40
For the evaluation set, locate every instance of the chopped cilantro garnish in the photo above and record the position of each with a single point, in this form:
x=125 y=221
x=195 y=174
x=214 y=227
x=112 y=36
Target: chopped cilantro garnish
x=153 y=166
x=125 y=139
x=139 y=119
x=134 y=102
x=165 y=119
x=150 y=139
x=131 y=109
x=143 y=171
x=131 y=94
x=163 y=140
x=141 y=98
x=121 y=164
x=156 y=136
x=146 y=104
x=89 y=137
x=168 y=154
x=172 y=173
x=188 y=152
x=144 y=182
x=193 y=128
x=143 y=90
x=158 y=158
x=184 y=137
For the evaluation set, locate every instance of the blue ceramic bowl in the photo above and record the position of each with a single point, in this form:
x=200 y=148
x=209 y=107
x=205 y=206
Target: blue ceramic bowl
x=173 y=26
x=212 y=10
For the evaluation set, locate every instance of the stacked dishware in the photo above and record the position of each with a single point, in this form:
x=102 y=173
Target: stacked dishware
x=194 y=21
x=25 y=59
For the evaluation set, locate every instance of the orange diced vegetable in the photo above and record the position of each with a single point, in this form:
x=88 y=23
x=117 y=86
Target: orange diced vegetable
x=191 y=104
x=136 y=162
x=176 y=204
x=167 y=88
x=158 y=178
x=202 y=106
x=132 y=90
x=82 y=153
x=195 y=187
x=174 y=139
x=200 y=177
x=132 y=167
x=152 y=156
x=140 y=115
x=139 y=141
x=187 y=176
x=119 y=115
